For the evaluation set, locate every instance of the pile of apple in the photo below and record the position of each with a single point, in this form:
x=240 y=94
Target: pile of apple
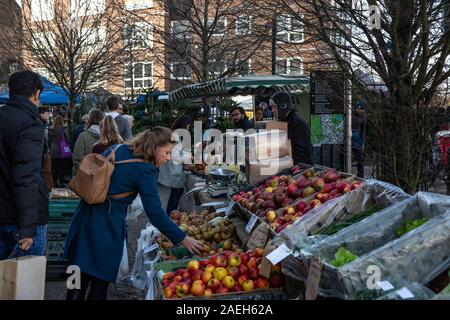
x=224 y=273
x=278 y=200
x=282 y=218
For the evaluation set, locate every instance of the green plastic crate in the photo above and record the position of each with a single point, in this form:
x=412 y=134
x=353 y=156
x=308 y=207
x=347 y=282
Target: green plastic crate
x=62 y=209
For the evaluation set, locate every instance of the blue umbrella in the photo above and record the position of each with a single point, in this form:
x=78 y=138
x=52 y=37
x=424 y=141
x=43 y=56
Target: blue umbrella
x=52 y=94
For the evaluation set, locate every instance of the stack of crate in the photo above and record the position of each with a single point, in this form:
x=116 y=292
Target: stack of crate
x=60 y=216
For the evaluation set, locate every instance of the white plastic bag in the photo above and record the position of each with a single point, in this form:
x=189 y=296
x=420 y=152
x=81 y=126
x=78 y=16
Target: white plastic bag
x=147 y=255
x=135 y=209
x=124 y=268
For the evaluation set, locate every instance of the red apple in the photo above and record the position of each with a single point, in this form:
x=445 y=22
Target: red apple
x=168 y=293
x=168 y=275
x=327 y=188
x=262 y=283
x=243 y=270
x=331 y=176
x=251 y=263
x=253 y=273
x=300 y=206
x=198 y=288
x=186 y=275
x=242 y=278
x=342 y=186
x=269 y=204
x=278 y=198
x=355 y=185
x=219 y=261
x=203 y=264
x=233 y=272
x=291 y=188
x=237 y=288
x=214 y=284
x=307 y=209
x=259 y=252
x=245 y=257
x=197 y=275
x=323 y=197
x=301 y=182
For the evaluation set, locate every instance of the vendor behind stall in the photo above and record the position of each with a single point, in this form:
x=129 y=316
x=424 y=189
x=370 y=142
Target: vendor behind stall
x=298 y=132
x=240 y=119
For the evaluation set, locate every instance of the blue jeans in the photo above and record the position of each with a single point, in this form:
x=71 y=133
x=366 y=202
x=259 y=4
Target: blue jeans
x=9 y=246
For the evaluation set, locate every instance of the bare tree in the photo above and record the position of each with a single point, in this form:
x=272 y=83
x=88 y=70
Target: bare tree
x=405 y=46
x=77 y=43
x=208 y=39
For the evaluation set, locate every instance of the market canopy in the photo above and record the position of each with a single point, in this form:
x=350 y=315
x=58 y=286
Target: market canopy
x=247 y=85
x=52 y=94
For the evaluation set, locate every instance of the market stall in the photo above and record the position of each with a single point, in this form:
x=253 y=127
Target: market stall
x=330 y=230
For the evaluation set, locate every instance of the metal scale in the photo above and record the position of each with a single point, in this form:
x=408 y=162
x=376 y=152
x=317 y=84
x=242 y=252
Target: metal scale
x=221 y=182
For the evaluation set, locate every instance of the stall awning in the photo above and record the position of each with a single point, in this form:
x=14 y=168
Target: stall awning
x=247 y=85
x=52 y=94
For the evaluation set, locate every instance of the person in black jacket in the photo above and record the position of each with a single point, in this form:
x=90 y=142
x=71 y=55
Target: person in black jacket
x=240 y=119
x=23 y=193
x=358 y=137
x=283 y=108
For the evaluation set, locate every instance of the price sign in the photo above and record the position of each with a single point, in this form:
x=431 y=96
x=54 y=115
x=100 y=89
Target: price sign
x=251 y=223
x=279 y=254
x=385 y=285
x=404 y=293
x=314 y=274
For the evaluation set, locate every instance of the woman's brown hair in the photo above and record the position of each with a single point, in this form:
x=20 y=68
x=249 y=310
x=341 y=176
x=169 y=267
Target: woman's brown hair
x=109 y=133
x=58 y=122
x=146 y=143
x=94 y=118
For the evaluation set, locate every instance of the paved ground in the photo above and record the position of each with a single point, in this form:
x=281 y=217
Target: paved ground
x=56 y=290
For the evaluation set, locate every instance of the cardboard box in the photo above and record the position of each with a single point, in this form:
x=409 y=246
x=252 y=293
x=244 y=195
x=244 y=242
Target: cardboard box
x=264 y=169
x=271 y=144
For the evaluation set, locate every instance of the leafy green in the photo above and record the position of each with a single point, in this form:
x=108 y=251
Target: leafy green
x=342 y=257
x=409 y=226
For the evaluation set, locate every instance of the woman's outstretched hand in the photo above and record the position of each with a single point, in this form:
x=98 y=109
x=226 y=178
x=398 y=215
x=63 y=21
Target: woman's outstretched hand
x=194 y=246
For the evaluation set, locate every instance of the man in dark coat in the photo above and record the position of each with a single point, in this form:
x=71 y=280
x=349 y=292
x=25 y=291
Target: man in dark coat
x=23 y=193
x=240 y=119
x=358 y=137
x=283 y=108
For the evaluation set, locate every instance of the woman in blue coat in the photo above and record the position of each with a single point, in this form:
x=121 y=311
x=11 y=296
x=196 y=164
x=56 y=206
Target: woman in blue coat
x=95 y=241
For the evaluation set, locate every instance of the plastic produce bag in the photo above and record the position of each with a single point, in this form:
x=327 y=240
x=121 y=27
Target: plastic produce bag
x=372 y=193
x=135 y=209
x=417 y=256
x=147 y=255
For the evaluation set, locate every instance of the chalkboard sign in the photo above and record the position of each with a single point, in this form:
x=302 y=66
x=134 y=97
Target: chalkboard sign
x=327 y=92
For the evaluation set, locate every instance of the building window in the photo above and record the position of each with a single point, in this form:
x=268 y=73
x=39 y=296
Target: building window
x=243 y=68
x=93 y=39
x=139 y=35
x=138 y=4
x=42 y=10
x=243 y=25
x=220 y=26
x=180 y=71
x=82 y=8
x=289 y=29
x=138 y=75
x=180 y=29
x=42 y=41
x=289 y=66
